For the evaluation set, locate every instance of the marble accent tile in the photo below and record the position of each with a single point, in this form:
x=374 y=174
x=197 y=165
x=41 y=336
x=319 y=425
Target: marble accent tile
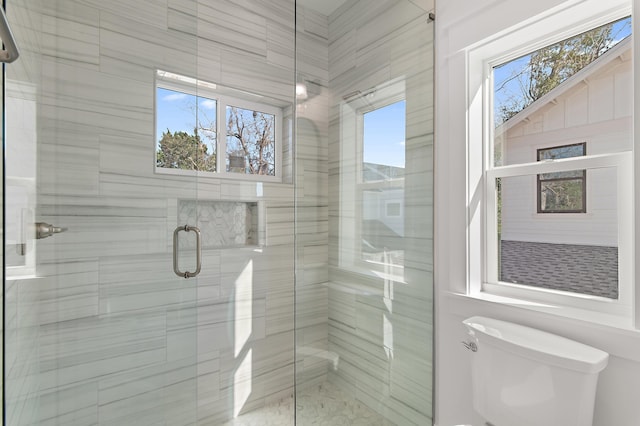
x=222 y=223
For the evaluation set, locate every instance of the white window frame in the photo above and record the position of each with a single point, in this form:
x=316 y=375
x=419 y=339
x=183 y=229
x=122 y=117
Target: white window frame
x=352 y=184
x=482 y=252
x=203 y=89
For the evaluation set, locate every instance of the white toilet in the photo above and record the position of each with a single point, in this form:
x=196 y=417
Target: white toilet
x=527 y=377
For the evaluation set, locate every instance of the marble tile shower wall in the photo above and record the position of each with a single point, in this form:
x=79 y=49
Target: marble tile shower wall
x=120 y=339
x=312 y=204
x=382 y=331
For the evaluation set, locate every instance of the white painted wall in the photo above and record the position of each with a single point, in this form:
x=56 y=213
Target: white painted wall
x=459 y=25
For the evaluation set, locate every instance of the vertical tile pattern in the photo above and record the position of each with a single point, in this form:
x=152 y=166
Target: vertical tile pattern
x=107 y=334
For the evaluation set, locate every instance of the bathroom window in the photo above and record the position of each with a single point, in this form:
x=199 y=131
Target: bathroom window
x=372 y=235
x=204 y=127
x=556 y=218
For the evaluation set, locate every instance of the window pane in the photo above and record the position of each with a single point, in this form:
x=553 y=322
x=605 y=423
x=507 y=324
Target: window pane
x=185 y=131
x=383 y=143
x=562 y=192
x=559 y=252
x=562 y=175
x=251 y=142
x=535 y=100
x=562 y=196
x=383 y=167
x=566 y=151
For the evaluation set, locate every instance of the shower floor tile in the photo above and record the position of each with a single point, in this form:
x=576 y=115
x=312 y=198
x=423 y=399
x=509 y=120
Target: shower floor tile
x=321 y=405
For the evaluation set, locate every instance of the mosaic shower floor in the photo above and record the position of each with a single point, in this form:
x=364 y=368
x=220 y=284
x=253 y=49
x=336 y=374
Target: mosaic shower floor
x=322 y=405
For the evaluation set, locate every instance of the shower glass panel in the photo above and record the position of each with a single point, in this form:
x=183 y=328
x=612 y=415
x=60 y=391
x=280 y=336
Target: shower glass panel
x=113 y=135
x=364 y=212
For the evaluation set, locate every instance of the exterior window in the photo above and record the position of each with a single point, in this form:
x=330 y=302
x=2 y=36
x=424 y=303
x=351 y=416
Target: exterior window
x=382 y=187
x=372 y=181
x=541 y=100
x=190 y=116
x=187 y=131
x=562 y=192
x=251 y=141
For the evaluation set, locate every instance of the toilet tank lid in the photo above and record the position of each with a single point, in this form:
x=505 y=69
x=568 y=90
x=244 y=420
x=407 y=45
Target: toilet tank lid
x=537 y=344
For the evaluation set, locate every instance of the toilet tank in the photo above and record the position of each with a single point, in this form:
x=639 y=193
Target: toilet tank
x=527 y=377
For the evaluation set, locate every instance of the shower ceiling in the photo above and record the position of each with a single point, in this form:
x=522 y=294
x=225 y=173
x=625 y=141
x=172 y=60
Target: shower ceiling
x=326 y=7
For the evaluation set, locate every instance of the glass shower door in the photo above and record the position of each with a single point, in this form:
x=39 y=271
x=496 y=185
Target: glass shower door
x=128 y=125
x=99 y=328
x=365 y=279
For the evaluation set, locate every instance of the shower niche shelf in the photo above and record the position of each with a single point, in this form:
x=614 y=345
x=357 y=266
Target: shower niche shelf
x=223 y=224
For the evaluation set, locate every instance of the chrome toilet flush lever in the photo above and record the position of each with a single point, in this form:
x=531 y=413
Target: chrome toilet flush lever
x=472 y=346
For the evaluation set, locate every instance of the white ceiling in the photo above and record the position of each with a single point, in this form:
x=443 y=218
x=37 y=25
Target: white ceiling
x=326 y=7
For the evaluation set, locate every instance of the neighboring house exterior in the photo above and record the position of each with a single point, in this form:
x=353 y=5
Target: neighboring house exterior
x=382 y=208
x=595 y=108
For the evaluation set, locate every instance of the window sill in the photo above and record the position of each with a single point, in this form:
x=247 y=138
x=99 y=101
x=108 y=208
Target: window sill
x=614 y=334
x=218 y=175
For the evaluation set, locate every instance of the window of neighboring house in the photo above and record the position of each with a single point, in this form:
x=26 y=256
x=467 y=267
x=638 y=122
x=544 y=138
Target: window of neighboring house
x=581 y=85
x=372 y=180
x=191 y=115
x=562 y=192
x=382 y=183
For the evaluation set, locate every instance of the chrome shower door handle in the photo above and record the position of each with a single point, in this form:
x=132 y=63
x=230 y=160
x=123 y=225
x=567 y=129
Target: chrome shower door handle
x=176 y=268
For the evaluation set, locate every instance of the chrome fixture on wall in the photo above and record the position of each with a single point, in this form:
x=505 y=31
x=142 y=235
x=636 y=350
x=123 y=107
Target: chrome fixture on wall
x=11 y=53
x=44 y=230
x=176 y=268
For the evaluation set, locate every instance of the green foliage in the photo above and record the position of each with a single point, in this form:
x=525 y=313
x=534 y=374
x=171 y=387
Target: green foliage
x=181 y=150
x=554 y=64
x=550 y=66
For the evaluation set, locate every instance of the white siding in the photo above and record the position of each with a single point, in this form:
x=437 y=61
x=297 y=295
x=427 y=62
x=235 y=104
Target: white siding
x=596 y=111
